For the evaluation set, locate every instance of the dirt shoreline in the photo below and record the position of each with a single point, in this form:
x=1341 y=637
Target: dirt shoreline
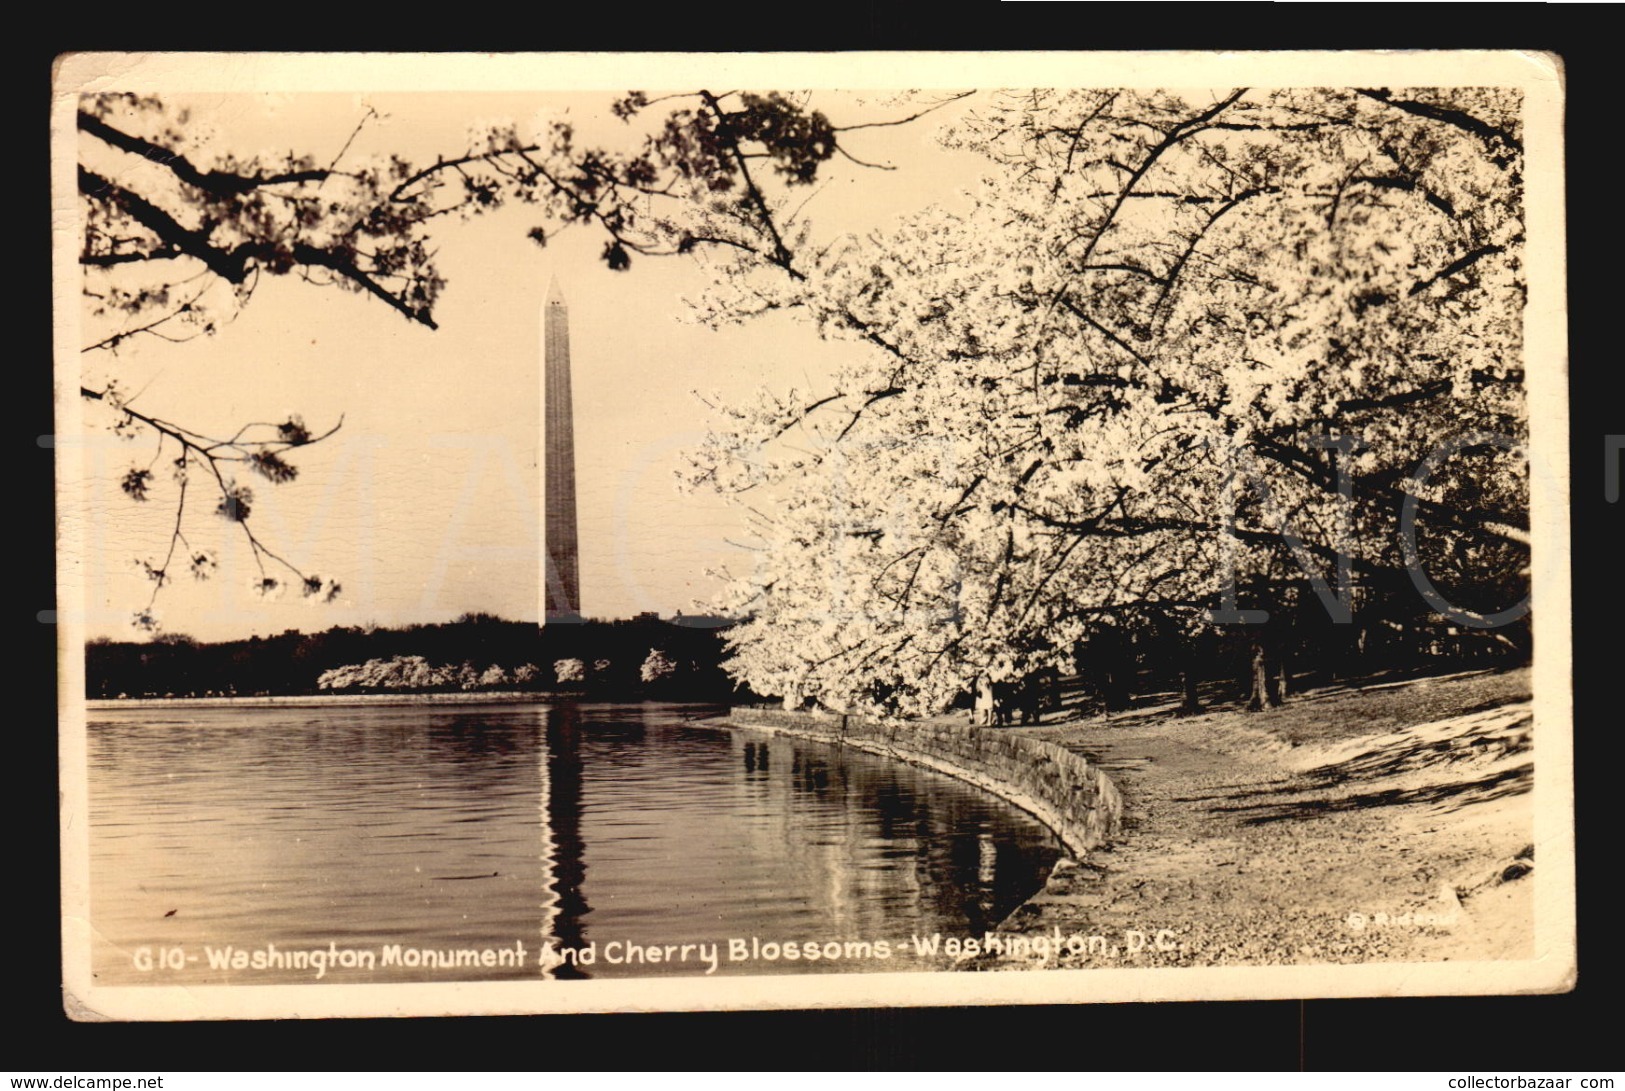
x=1388 y=823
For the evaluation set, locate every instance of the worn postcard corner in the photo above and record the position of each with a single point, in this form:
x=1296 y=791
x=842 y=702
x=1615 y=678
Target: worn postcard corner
x=559 y=533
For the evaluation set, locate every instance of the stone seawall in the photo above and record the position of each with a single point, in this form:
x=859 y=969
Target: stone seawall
x=1060 y=788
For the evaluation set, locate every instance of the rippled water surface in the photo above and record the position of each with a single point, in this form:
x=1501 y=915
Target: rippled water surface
x=585 y=828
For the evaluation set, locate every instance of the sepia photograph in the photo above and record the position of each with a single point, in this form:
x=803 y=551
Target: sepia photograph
x=636 y=532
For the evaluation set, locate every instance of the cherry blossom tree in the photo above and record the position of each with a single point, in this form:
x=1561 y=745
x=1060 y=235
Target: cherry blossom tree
x=657 y=667
x=1185 y=358
x=401 y=672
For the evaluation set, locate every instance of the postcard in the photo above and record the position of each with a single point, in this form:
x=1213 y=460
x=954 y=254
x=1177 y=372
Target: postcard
x=629 y=532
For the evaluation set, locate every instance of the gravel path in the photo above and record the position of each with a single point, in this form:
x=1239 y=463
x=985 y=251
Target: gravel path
x=1311 y=834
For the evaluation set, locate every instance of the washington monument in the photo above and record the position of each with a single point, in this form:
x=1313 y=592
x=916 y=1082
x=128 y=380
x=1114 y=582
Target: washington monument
x=561 y=565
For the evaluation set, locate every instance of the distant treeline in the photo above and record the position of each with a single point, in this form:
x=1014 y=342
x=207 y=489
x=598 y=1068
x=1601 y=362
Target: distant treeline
x=644 y=657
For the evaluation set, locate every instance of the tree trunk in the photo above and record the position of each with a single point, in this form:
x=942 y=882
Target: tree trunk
x=1190 y=675
x=1114 y=689
x=1263 y=694
x=1193 y=700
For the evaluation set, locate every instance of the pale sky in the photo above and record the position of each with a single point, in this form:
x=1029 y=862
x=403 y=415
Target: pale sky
x=426 y=503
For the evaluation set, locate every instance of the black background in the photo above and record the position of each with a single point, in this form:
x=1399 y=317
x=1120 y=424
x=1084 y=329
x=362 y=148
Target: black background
x=1570 y=1032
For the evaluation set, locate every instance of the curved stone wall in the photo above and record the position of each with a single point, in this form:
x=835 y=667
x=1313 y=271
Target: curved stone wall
x=1062 y=789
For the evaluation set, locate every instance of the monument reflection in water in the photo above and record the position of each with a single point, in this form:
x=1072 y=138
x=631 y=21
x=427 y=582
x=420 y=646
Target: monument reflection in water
x=421 y=829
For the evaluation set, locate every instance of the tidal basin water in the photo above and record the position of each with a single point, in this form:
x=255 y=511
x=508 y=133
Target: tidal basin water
x=355 y=843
